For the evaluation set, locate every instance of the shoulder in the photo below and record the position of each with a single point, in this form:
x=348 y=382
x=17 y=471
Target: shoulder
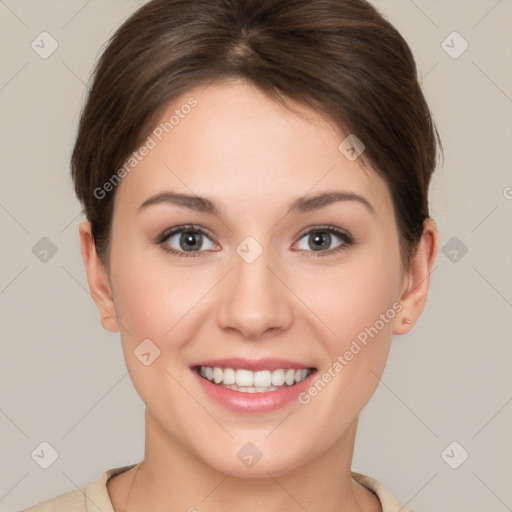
x=86 y=499
x=73 y=501
x=388 y=501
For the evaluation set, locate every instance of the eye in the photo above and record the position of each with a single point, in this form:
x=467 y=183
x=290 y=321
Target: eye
x=189 y=239
x=320 y=240
x=186 y=239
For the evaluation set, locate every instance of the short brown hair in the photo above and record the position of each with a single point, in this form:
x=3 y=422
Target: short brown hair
x=340 y=57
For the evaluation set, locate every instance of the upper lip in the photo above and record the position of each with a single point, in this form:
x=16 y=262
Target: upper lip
x=252 y=364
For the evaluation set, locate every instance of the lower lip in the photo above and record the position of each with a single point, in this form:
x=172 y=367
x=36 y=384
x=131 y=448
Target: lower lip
x=255 y=403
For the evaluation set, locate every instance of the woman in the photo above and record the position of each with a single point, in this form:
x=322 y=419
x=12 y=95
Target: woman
x=254 y=176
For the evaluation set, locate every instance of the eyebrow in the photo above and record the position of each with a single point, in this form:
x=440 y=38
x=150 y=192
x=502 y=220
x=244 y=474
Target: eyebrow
x=301 y=205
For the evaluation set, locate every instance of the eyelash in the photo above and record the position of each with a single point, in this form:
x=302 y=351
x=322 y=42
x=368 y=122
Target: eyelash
x=347 y=240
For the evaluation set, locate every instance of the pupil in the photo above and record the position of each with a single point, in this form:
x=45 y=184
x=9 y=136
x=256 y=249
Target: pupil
x=321 y=240
x=189 y=237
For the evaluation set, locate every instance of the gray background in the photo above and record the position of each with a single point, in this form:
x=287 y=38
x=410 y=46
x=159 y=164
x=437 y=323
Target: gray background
x=63 y=379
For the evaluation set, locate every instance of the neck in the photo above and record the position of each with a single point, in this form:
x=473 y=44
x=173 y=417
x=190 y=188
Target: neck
x=171 y=479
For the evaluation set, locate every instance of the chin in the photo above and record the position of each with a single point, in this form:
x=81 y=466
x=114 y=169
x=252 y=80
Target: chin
x=259 y=459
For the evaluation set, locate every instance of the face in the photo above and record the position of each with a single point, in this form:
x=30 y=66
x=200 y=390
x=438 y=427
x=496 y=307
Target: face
x=295 y=276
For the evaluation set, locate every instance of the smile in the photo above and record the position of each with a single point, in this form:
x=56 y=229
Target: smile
x=252 y=386
x=247 y=381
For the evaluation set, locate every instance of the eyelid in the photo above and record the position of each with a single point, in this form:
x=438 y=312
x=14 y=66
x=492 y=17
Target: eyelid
x=184 y=227
x=324 y=227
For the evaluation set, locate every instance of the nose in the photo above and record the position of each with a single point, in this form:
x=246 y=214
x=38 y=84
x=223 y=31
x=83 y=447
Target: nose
x=255 y=300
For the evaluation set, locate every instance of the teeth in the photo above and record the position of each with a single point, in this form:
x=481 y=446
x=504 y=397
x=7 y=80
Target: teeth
x=278 y=377
x=243 y=377
x=229 y=376
x=217 y=375
x=262 y=378
x=252 y=389
x=253 y=382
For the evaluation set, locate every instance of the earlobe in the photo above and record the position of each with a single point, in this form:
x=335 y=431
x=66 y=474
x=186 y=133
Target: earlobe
x=413 y=299
x=97 y=278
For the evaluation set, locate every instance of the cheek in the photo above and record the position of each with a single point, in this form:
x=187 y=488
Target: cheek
x=151 y=301
x=150 y=296
x=363 y=325
x=352 y=296
x=357 y=301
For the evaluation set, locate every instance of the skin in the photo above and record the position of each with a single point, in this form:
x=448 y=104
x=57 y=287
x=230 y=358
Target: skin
x=253 y=157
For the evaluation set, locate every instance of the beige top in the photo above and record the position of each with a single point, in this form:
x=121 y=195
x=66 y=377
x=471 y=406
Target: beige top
x=98 y=498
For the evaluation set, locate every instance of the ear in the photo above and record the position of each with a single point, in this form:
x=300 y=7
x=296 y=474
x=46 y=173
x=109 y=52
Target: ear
x=417 y=278
x=97 y=278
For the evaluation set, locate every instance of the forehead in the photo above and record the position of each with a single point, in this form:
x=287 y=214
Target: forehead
x=237 y=142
